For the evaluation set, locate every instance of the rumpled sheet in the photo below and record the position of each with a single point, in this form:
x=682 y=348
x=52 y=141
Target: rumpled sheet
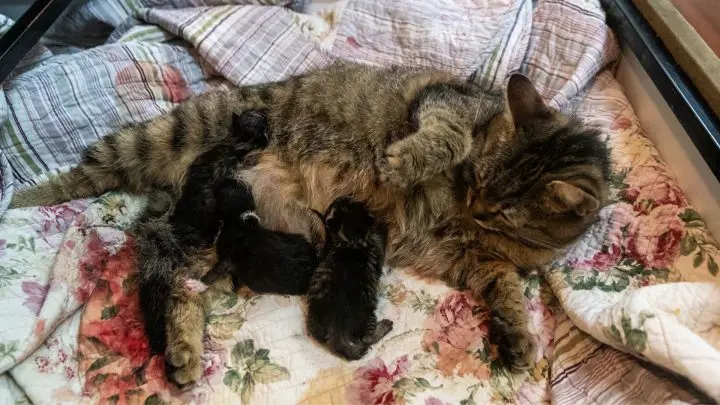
x=637 y=301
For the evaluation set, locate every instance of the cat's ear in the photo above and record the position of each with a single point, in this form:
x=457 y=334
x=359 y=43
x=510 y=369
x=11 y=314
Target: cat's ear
x=523 y=100
x=569 y=198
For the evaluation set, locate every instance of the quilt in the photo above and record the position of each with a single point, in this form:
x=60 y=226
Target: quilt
x=629 y=315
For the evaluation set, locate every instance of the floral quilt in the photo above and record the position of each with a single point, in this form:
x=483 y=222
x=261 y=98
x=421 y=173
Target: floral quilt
x=629 y=315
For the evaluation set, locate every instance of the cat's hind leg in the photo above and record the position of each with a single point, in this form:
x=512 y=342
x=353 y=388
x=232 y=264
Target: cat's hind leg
x=185 y=320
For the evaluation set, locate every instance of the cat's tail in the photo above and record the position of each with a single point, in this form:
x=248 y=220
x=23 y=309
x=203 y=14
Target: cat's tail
x=156 y=153
x=158 y=255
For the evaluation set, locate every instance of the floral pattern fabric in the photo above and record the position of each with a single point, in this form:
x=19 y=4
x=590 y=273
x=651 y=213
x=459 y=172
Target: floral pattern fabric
x=646 y=271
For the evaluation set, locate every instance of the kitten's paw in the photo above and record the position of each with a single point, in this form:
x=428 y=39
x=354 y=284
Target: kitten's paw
x=516 y=348
x=184 y=365
x=383 y=328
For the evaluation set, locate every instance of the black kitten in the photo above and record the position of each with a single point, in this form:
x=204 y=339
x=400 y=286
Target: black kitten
x=265 y=261
x=343 y=291
x=196 y=217
x=164 y=243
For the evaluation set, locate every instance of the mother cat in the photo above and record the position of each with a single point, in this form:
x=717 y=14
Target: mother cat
x=474 y=186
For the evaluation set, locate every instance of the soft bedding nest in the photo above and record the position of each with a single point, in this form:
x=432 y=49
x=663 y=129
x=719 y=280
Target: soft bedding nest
x=629 y=315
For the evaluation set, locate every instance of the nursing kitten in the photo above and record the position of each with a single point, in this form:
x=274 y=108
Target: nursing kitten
x=473 y=186
x=166 y=240
x=265 y=261
x=343 y=292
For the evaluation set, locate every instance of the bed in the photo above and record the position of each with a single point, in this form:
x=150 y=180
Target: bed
x=631 y=314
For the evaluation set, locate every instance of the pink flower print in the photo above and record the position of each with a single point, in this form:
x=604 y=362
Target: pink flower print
x=57 y=218
x=36 y=294
x=612 y=251
x=43 y=364
x=651 y=185
x=543 y=326
x=654 y=239
x=69 y=373
x=455 y=332
x=372 y=384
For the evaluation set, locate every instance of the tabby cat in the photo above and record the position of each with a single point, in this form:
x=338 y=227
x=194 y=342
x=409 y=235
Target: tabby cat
x=473 y=186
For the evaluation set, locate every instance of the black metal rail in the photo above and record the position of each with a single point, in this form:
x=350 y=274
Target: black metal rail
x=26 y=32
x=689 y=106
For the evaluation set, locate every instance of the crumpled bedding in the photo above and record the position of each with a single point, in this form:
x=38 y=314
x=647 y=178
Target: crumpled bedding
x=629 y=315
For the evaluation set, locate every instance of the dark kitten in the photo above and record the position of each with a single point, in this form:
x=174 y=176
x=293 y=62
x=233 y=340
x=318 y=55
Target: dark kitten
x=164 y=243
x=265 y=261
x=196 y=217
x=343 y=292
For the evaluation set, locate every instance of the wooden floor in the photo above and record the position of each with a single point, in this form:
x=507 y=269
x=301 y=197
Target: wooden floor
x=704 y=16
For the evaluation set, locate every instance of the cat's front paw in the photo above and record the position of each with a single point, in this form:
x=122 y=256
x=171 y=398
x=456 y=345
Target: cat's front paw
x=396 y=167
x=183 y=362
x=516 y=348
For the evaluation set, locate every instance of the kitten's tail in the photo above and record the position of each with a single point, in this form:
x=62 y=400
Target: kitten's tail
x=155 y=153
x=159 y=255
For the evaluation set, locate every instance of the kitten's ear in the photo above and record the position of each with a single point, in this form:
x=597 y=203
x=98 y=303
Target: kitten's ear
x=523 y=100
x=571 y=198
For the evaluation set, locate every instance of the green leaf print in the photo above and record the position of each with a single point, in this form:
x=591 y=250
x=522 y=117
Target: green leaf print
x=615 y=334
x=8 y=350
x=153 y=400
x=23 y=244
x=580 y=280
x=533 y=285
x=690 y=215
x=233 y=380
x=408 y=387
x=422 y=302
x=7 y=275
x=699 y=258
x=688 y=244
x=712 y=266
x=634 y=337
x=270 y=373
x=109 y=312
x=243 y=351
x=252 y=367
x=130 y=284
x=696 y=239
x=99 y=379
x=98 y=364
x=248 y=389
x=262 y=354
x=612 y=280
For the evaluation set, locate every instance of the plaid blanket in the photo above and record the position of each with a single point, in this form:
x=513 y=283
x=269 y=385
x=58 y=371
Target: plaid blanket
x=641 y=284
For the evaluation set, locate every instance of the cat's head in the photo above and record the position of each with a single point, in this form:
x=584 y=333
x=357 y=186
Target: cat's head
x=549 y=179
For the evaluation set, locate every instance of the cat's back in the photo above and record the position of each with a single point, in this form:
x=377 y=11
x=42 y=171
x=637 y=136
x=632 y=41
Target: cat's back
x=346 y=107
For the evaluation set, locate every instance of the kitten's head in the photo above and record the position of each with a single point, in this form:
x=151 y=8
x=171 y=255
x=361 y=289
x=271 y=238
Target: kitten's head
x=550 y=179
x=250 y=128
x=348 y=221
